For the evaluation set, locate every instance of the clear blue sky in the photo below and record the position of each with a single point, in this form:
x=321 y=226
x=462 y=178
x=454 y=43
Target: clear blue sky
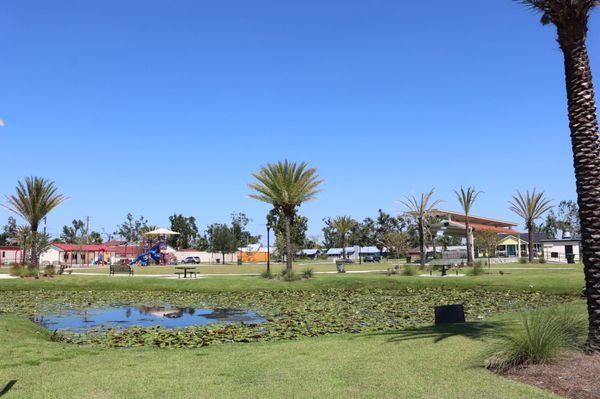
x=156 y=107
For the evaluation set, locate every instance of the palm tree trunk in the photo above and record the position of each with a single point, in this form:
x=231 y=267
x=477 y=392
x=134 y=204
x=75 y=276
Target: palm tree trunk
x=288 y=241
x=344 y=247
x=530 y=243
x=422 y=241
x=586 y=158
x=34 y=259
x=469 y=243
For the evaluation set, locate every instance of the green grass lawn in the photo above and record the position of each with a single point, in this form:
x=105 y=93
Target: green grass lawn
x=355 y=366
x=420 y=363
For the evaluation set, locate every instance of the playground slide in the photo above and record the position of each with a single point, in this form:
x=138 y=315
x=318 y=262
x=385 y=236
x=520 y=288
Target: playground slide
x=143 y=258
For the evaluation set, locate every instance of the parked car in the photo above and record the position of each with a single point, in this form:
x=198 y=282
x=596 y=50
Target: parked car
x=371 y=258
x=191 y=260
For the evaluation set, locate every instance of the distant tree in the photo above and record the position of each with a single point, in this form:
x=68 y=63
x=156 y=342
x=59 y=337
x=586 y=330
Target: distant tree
x=33 y=200
x=187 y=229
x=313 y=242
x=530 y=207
x=239 y=222
x=330 y=237
x=202 y=243
x=221 y=239
x=342 y=226
x=488 y=241
x=397 y=242
x=298 y=228
x=286 y=186
x=466 y=199
x=8 y=231
x=71 y=234
x=94 y=237
x=420 y=209
x=132 y=229
x=37 y=243
x=565 y=219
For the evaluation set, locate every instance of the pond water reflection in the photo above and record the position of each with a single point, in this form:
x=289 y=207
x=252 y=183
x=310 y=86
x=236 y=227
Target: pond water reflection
x=120 y=317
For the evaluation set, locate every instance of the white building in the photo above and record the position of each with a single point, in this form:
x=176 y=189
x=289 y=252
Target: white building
x=557 y=250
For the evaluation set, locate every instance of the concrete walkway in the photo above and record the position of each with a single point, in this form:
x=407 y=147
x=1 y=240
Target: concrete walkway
x=171 y=276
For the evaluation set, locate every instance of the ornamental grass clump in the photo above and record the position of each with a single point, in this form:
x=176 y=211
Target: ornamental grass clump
x=477 y=269
x=289 y=275
x=537 y=338
x=308 y=273
x=267 y=275
x=409 y=270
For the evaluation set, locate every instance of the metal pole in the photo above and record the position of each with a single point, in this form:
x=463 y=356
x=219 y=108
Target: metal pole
x=268 y=250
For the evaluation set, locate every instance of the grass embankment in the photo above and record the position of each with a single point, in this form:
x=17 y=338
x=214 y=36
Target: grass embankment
x=366 y=366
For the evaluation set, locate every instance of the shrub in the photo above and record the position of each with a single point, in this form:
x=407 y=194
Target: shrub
x=541 y=259
x=409 y=270
x=15 y=270
x=537 y=338
x=288 y=275
x=308 y=273
x=49 y=271
x=477 y=269
x=523 y=260
x=267 y=275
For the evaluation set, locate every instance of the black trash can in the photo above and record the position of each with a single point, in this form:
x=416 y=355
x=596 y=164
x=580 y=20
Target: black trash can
x=408 y=259
x=570 y=258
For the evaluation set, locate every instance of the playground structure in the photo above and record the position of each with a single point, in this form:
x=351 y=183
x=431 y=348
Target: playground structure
x=155 y=248
x=103 y=258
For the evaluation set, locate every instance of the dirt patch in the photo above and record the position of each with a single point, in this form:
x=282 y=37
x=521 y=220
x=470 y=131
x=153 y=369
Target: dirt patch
x=573 y=375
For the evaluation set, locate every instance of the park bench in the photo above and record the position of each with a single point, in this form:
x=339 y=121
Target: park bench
x=120 y=269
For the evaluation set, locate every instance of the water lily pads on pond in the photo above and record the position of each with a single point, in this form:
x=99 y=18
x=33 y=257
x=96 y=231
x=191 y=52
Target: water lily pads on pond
x=289 y=314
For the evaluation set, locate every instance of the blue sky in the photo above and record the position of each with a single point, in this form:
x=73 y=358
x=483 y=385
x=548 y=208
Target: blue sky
x=156 y=107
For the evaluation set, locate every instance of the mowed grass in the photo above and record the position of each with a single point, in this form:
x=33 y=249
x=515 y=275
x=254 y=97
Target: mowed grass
x=363 y=366
x=425 y=363
x=567 y=280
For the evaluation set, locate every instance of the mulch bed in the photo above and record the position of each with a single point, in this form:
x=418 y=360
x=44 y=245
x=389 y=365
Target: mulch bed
x=574 y=375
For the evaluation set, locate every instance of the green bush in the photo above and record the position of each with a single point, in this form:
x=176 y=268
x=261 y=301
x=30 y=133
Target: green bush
x=523 y=260
x=537 y=338
x=15 y=270
x=477 y=269
x=267 y=275
x=409 y=270
x=49 y=271
x=541 y=259
x=288 y=275
x=308 y=273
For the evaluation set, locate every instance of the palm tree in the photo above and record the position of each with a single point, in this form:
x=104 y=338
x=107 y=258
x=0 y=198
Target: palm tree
x=286 y=185
x=421 y=209
x=34 y=199
x=343 y=225
x=530 y=207
x=467 y=198
x=571 y=19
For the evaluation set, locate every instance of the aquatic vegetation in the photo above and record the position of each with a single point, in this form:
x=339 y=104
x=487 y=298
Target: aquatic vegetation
x=290 y=314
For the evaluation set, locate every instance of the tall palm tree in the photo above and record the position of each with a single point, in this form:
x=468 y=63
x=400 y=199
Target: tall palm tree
x=530 y=207
x=33 y=200
x=286 y=185
x=343 y=225
x=571 y=19
x=467 y=198
x=421 y=209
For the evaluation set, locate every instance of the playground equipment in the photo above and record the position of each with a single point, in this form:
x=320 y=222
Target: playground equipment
x=143 y=259
x=102 y=259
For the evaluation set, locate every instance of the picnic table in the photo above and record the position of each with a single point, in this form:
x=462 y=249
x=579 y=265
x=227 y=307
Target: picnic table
x=187 y=270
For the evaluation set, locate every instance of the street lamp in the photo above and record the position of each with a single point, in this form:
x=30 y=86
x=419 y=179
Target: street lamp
x=268 y=248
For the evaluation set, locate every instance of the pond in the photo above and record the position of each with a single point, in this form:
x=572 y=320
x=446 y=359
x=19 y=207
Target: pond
x=121 y=317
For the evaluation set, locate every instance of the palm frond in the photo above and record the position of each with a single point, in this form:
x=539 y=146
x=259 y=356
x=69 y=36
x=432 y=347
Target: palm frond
x=530 y=206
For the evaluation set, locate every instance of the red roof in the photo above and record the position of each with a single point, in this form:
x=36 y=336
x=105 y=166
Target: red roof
x=10 y=248
x=77 y=247
x=114 y=243
x=125 y=250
